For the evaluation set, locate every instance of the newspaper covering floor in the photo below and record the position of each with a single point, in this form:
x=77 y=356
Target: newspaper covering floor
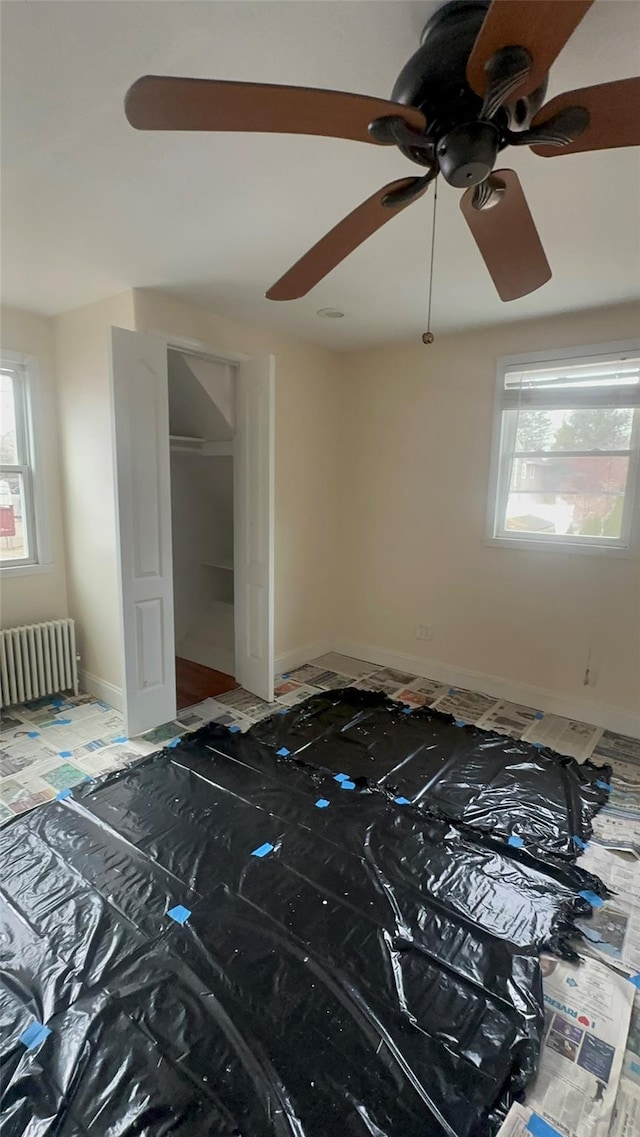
x=588 y=1083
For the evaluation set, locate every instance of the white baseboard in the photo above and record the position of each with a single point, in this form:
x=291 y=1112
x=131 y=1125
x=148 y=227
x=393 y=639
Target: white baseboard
x=300 y=655
x=108 y=692
x=598 y=714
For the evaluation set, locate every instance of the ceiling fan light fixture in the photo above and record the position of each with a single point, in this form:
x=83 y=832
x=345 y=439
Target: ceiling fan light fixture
x=467 y=153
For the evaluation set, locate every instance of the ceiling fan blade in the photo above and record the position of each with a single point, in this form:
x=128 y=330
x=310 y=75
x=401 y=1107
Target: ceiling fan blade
x=614 y=114
x=346 y=236
x=168 y=103
x=507 y=238
x=541 y=26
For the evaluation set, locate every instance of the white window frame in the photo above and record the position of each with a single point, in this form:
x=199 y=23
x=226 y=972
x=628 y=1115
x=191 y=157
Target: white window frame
x=28 y=432
x=503 y=445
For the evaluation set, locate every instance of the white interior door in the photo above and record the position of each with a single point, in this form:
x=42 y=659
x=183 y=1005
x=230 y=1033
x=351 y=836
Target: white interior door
x=253 y=513
x=143 y=510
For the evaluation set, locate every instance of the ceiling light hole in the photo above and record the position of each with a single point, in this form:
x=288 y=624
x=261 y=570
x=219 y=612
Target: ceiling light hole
x=330 y=313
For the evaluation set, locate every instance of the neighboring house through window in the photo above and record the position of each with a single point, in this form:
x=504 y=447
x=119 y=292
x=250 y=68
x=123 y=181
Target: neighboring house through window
x=566 y=449
x=19 y=529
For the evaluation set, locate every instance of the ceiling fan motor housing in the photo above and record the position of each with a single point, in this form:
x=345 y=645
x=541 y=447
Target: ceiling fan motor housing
x=466 y=145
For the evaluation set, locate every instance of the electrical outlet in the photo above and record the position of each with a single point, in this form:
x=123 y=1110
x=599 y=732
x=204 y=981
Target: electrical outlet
x=424 y=631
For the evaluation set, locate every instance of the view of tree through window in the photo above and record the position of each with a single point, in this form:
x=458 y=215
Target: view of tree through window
x=594 y=429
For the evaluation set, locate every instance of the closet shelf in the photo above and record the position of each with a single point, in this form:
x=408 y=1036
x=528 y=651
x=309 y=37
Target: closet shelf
x=218 y=565
x=217 y=449
x=191 y=444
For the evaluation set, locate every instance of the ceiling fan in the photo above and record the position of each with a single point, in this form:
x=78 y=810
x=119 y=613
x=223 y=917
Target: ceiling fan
x=475 y=86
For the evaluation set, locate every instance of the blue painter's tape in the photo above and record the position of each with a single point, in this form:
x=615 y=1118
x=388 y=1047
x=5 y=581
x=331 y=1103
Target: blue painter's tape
x=34 y=1034
x=33 y=734
x=347 y=785
x=341 y=777
x=538 y=746
x=594 y=900
x=591 y=934
x=174 y=742
x=635 y=979
x=63 y=794
x=65 y=753
x=579 y=842
x=452 y=691
x=234 y=729
x=262 y=850
x=402 y=800
x=63 y=722
x=282 y=752
x=121 y=738
x=515 y=841
x=180 y=914
x=283 y=711
x=322 y=803
x=538 y=1127
x=87 y=778
x=459 y=722
x=602 y=785
x=286 y=674
x=539 y=714
x=57 y=702
x=407 y=710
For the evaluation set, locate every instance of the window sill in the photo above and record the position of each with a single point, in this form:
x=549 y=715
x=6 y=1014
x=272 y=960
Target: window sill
x=9 y=570
x=536 y=546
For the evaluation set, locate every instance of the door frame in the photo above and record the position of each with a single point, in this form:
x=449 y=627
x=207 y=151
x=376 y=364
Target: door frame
x=199 y=347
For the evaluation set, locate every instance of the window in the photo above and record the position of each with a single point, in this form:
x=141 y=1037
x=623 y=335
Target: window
x=18 y=537
x=566 y=449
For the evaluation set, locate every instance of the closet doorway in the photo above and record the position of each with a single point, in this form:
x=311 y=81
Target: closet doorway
x=201 y=443
x=194 y=452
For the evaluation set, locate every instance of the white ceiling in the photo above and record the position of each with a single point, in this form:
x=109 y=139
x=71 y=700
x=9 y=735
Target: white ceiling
x=91 y=207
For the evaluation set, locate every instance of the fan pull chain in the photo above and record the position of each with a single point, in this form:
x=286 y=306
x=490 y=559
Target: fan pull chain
x=428 y=337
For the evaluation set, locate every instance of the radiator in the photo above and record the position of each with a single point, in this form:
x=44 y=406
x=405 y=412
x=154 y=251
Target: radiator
x=39 y=659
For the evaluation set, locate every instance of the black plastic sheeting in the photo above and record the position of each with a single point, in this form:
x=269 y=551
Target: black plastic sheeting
x=470 y=776
x=356 y=968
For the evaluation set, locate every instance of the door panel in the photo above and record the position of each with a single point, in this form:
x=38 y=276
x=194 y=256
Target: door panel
x=253 y=525
x=143 y=510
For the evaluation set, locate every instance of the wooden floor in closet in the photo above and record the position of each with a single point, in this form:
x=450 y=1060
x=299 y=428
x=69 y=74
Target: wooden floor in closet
x=195 y=683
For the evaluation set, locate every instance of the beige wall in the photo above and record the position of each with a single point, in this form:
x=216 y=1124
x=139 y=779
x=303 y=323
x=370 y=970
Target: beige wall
x=381 y=486
x=306 y=470
x=307 y=473
x=418 y=424
x=30 y=597
x=83 y=370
